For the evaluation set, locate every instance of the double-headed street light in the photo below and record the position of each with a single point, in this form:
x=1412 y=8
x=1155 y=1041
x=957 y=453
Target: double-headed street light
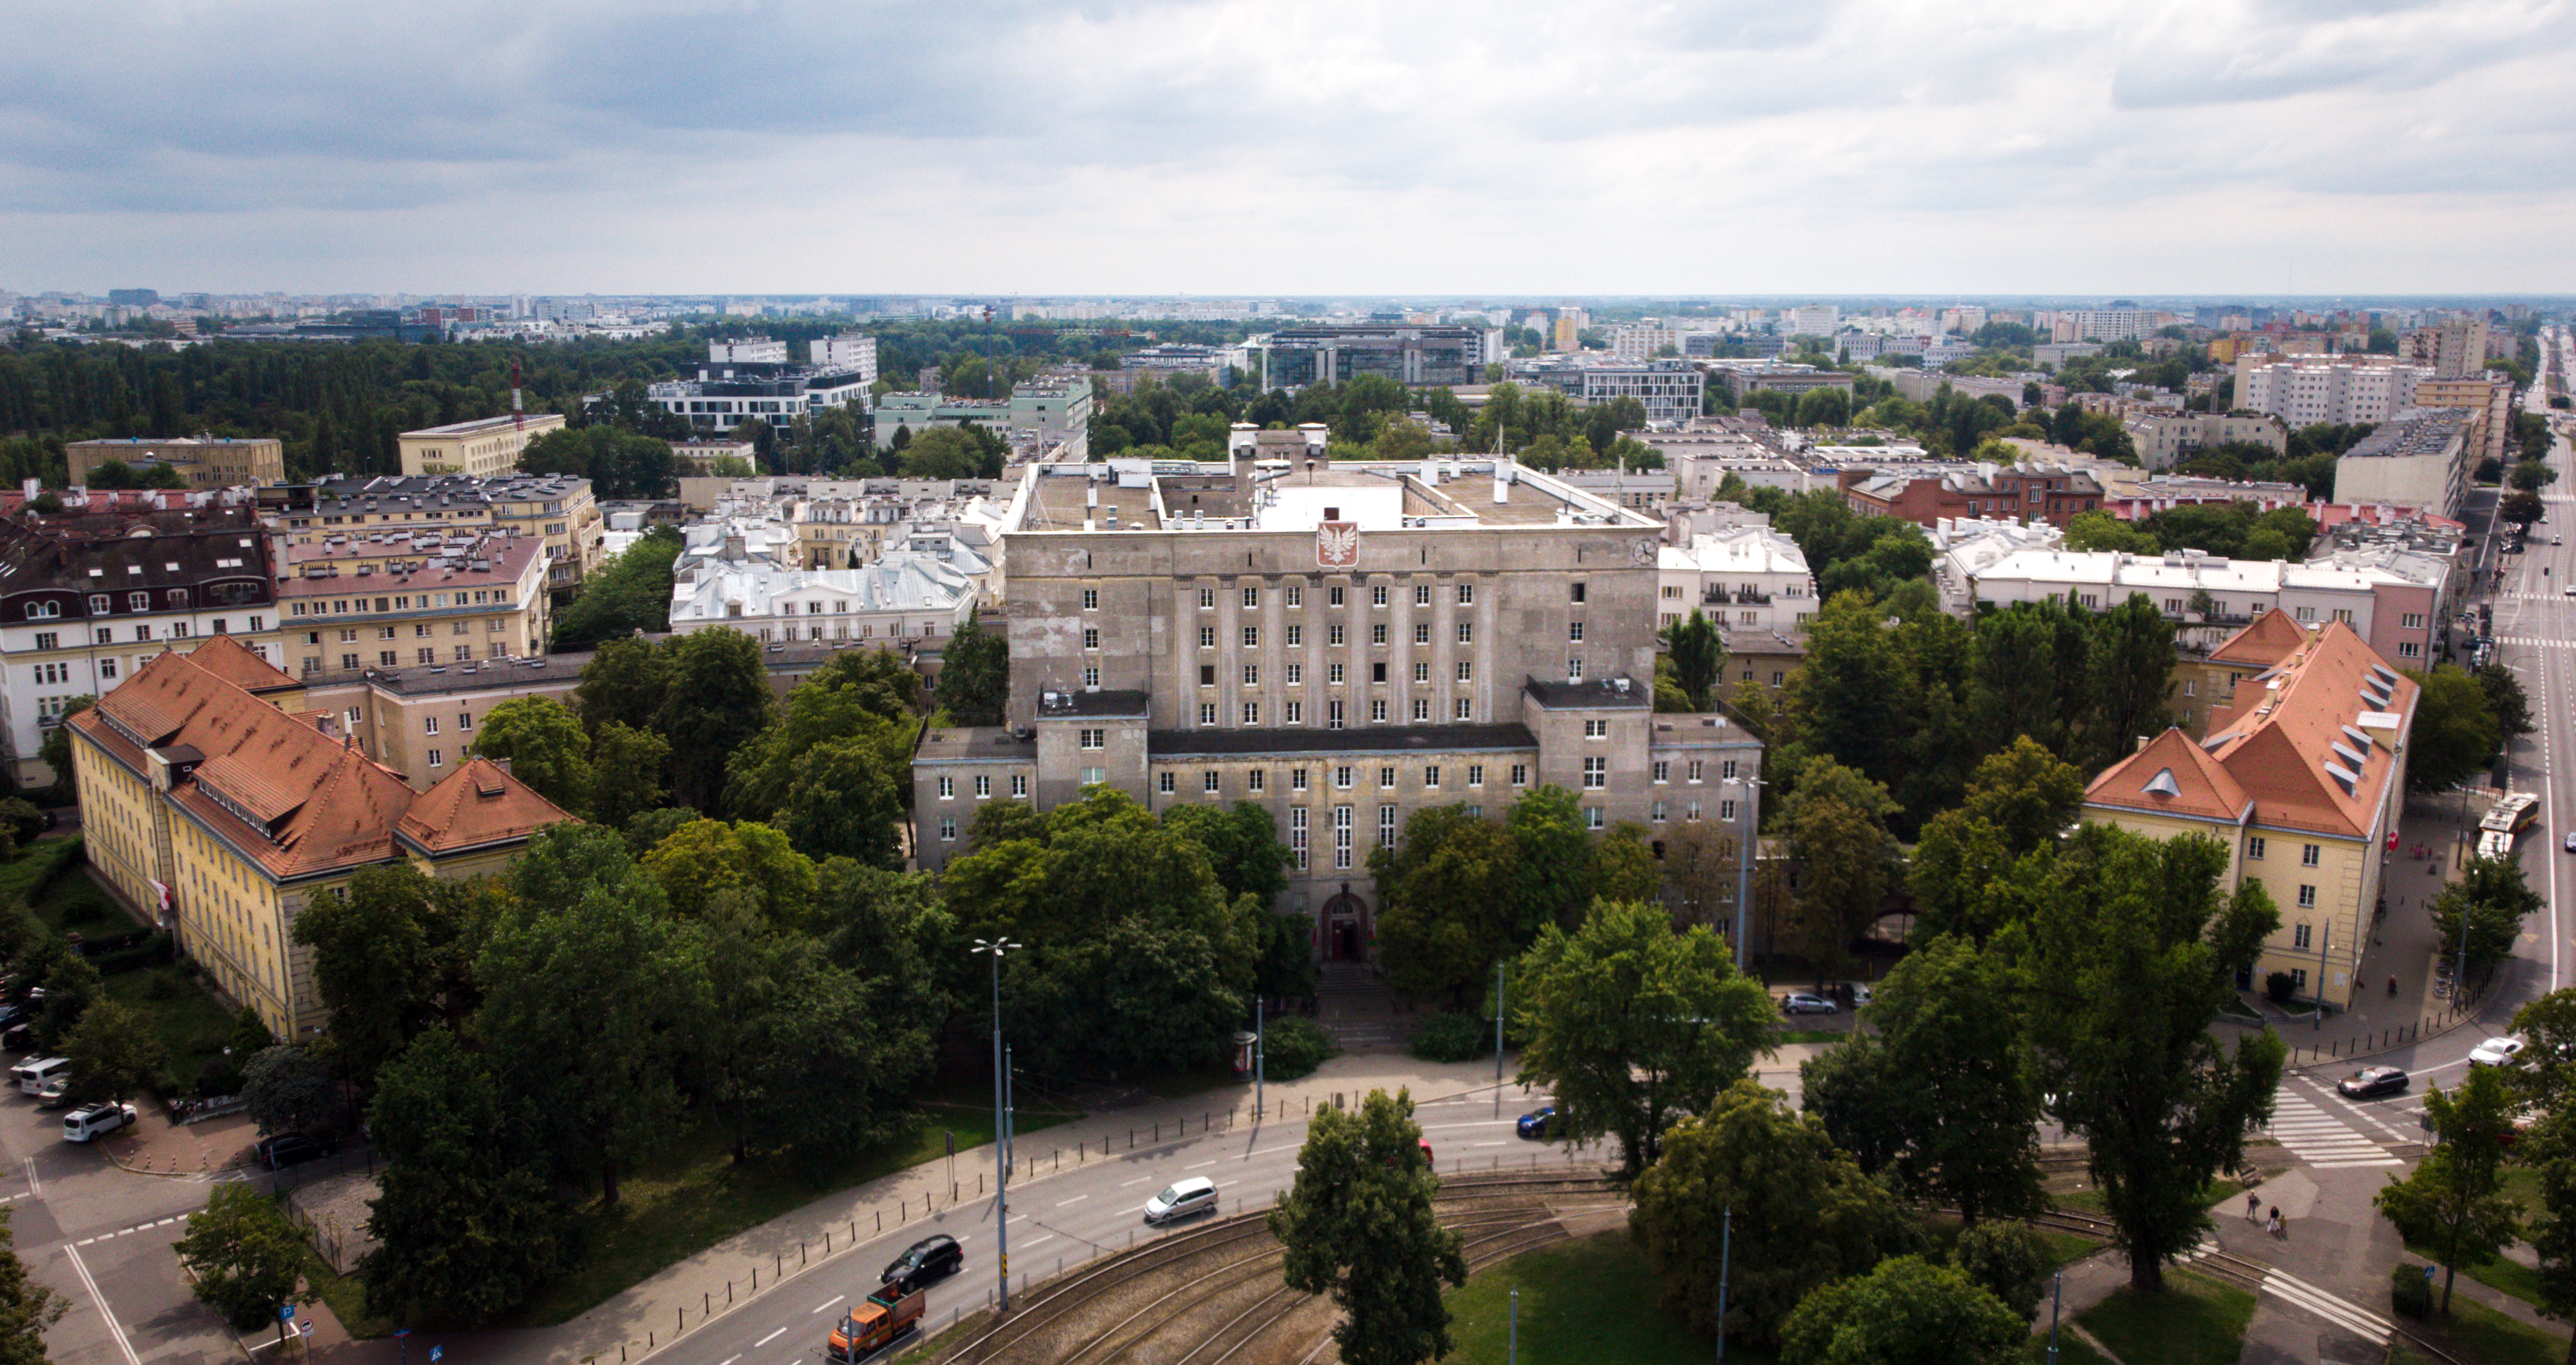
x=1001 y=1120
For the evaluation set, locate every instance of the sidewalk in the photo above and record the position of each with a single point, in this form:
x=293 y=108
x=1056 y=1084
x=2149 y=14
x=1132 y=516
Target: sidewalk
x=157 y=1146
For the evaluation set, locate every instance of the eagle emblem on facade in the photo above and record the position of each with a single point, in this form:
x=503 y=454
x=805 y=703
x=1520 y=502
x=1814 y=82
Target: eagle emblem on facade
x=1337 y=544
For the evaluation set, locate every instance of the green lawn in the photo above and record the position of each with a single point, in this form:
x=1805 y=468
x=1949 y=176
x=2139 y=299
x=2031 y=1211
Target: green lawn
x=192 y=1027
x=2477 y=1332
x=693 y=1197
x=2071 y=1350
x=1592 y=1299
x=2196 y=1321
x=1811 y=1035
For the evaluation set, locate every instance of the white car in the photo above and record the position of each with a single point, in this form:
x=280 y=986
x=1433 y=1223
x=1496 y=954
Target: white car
x=1195 y=1195
x=95 y=1120
x=2495 y=1052
x=1802 y=1002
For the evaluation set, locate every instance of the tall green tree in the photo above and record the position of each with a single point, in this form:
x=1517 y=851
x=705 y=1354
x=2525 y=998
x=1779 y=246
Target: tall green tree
x=1630 y=1024
x=543 y=742
x=627 y=766
x=2455 y=734
x=627 y=593
x=390 y=956
x=717 y=696
x=1358 y=1225
x=465 y=1222
x=1448 y=895
x=583 y=975
x=114 y=1055
x=1242 y=846
x=288 y=1090
x=624 y=682
x=2493 y=898
x=1699 y=657
x=1834 y=822
x=1803 y=1214
x=1905 y=1311
x=2453 y=1202
x=2130 y=675
x=2126 y=951
x=845 y=801
x=1937 y=1092
x=975 y=675
x=1553 y=858
x=246 y=1260
x=26 y=1307
x=706 y=858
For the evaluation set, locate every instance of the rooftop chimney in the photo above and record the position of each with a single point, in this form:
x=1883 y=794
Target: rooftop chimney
x=1502 y=478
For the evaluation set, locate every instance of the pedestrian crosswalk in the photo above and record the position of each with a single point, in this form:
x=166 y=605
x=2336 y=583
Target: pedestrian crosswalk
x=2320 y=1138
x=2292 y=1290
x=2532 y=642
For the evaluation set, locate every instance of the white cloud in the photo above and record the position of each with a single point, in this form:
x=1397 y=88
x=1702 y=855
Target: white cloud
x=1336 y=146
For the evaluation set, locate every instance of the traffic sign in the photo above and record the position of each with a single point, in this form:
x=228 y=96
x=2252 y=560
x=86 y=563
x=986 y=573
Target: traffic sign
x=286 y=1312
x=435 y=1352
x=304 y=1328
x=402 y=1331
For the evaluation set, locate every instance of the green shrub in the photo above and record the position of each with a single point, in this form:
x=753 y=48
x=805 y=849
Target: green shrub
x=217 y=1078
x=1452 y=1038
x=151 y=952
x=2410 y=1290
x=2279 y=986
x=1293 y=1047
x=161 y=986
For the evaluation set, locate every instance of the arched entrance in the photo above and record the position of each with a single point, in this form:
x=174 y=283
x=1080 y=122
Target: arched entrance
x=1345 y=927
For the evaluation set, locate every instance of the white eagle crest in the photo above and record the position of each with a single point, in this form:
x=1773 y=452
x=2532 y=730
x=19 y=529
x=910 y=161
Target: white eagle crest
x=1337 y=544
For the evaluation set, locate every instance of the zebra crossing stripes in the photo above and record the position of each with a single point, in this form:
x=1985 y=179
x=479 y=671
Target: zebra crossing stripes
x=2529 y=642
x=2323 y=1303
x=2320 y=1139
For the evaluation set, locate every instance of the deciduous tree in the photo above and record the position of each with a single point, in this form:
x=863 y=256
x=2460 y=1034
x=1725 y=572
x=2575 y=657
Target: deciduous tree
x=975 y=675
x=114 y=1057
x=715 y=697
x=26 y=1307
x=2492 y=895
x=1448 y=902
x=1358 y=1225
x=289 y=1090
x=1803 y=1214
x=2452 y=1203
x=1698 y=653
x=1905 y=1311
x=246 y=1259
x=1631 y=1024
x=2455 y=734
x=705 y=858
x=843 y=801
x=543 y=742
x=627 y=766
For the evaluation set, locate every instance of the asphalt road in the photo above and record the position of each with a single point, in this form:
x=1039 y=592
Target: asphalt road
x=100 y=1237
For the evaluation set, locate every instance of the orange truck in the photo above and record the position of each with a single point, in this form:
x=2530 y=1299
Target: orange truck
x=874 y=1325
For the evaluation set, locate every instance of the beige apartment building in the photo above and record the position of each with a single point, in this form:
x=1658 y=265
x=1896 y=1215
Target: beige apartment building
x=1343 y=643
x=483 y=448
x=400 y=599
x=2303 y=778
x=557 y=508
x=204 y=461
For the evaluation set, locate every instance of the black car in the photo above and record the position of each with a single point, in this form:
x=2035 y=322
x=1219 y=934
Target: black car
x=928 y=1260
x=288 y=1149
x=2372 y=1081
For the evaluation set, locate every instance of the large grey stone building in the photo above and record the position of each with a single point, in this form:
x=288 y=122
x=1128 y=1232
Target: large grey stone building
x=1342 y=642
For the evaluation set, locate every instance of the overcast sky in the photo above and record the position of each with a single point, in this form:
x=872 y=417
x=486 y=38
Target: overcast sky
x=1291 y=146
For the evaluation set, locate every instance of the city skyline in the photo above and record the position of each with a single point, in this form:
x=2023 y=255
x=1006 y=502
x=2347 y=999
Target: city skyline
x=1215 y=149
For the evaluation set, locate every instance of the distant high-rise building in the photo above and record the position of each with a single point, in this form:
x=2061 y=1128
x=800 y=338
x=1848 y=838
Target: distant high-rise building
x=133 y=298
x=2454 y=349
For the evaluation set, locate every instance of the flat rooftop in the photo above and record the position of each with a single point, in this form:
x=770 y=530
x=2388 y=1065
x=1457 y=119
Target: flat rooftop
x=1131 y=495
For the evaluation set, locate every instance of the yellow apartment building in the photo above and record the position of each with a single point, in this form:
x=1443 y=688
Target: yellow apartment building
x=225 y=816
x=2303 y=778
x=558 y=508
x=404 y=599
x=485 y=447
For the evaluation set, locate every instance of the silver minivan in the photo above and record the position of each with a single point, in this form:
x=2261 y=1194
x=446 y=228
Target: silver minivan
x=95 y=1120
x=31 y=1076
x=1189 y=1198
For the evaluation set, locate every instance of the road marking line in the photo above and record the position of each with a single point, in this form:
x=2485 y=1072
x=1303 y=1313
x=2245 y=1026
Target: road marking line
x=34 y=1184
x=1199 y=1167
x=82 y=1269
x=1496 y=1143
x=1035 y=1240
x=85 y=1241
x=825 y=1304
x=2326 y=1306
x=1137 y=1181
x=1074 y=1200
x=770 y=1338
x=729 y=1360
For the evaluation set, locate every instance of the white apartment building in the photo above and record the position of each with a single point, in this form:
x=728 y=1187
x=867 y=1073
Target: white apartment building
x=855 y=352
x=2106 y=324
x=1963 y=548
x=2210 y=597
x=2419 y=457
x=749 y=351
x=901 y=598
x=2305 y=390
x=1669 y=390
x=1743 y=578
x=2165 y=437
x=1813 y=320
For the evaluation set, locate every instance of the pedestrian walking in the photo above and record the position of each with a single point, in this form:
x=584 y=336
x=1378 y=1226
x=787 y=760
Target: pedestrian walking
x=2392 y=987
x=2253 y=1206
x=2276 y=1227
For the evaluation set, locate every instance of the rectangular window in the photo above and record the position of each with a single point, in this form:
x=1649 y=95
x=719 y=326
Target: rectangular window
x=1592 y=817
x=1252 y=637
x=1574 y=670
x=1251 y=599
x=1093 y=777
x=1421 y=710
x=1726 y=810
x=1655 y=813
x=948 y=789
x=2298 y=980
x=1574 y=632
x=1466 y=632
x=1252 y=713
x=1463 y=709
x=1377 y=711
x=1166 y=783
x=1095 y=739
x=1252 y=675
x=1256 y=780
x=1466 y=671
x=1019 y=786
x=1297 y=828
x=1211 y=781
x=2299 y=937
x=1385 y=779
x=1690 y=812
x=1341 y=838
x=1295 y=714
x=1466 y=594
x=1296 y=595
x=1475 y=774
x=1091 y=638
x=2408 y=649
x=1578 y=590
x=1296 y=637
x=1296 y=779
x=1377 y=673
x=1296 y=674
x=1377 y=633
x=1520 y=774
x=2307 y=897
x=1091 y=599
x=2254 y=847
x=1333 y=595
x=1207 y=714
x=1332 y=715
x=1207 y=599
x=1207 y=637
x=1422 y=632
x=983 y=787
x=1333 y=635
x=1386 y=827
x=1342 y=778
x=435 y=759
x=1091 y=677
x=1377 y=595
x=1422 y=594
x=1596 y=772
x=1596 y=729
x=2308 y=854
x=1431 y=775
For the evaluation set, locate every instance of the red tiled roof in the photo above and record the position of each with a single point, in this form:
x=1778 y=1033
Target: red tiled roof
x=291 y=796
x=475 y=805
x=235 y=663
x=2269 y=639
x=2171 y=775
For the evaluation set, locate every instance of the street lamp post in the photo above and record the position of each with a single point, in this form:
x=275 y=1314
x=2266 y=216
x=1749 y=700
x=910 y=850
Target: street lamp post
x=1747 y=852
x=1001 y=1130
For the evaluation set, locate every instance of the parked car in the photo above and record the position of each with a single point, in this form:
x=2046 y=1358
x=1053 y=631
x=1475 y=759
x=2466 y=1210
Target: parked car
x=288 y=1149
x=1187 y=1199
x=1539 y=1124
x=1803 y=1002
x=95 y=1120
x=56 y=1091
x=930 y=1259
x=2372 y=1081
x=2495 y=1052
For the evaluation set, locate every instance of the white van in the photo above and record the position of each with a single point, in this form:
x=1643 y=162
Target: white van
x=31 y=1076
x=95 y=1120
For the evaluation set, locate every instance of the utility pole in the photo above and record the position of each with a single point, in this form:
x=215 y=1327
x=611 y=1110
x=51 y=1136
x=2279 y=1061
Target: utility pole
x=1513 y=1352
x=1001 y=1121
x=2325 y=944
x=2056 y=1301
x=1498 y=1031
x=1725 y=1262
x=1260 y=1033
